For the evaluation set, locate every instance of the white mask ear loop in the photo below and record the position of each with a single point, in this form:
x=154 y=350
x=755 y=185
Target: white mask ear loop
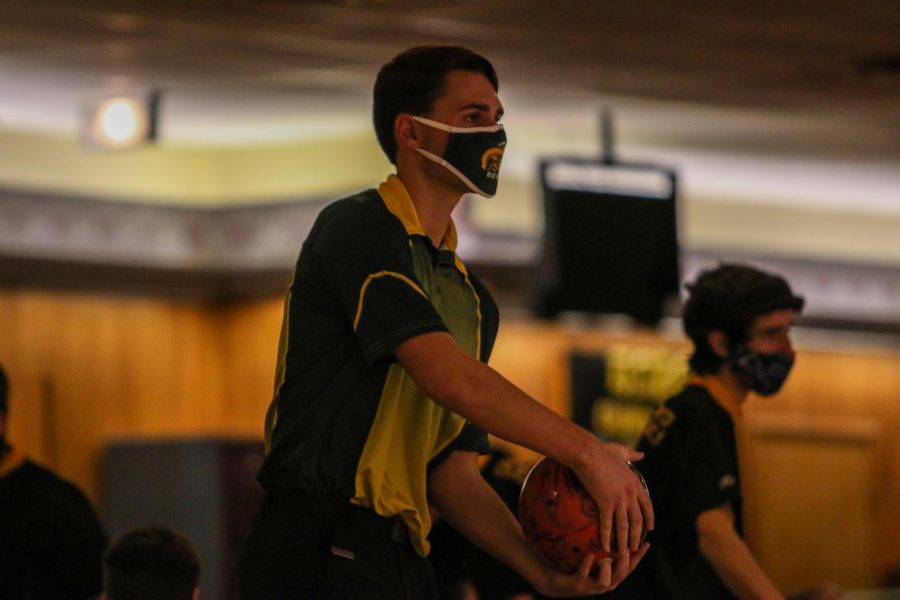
x=459 y=175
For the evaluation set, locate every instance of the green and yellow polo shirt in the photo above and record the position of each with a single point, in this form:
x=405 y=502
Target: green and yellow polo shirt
x=346 y=417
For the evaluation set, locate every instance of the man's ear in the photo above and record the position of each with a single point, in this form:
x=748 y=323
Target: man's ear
x=405 y=131
x=718 y=341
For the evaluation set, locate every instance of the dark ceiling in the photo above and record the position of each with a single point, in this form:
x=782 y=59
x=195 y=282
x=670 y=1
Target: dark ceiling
x=831 y=60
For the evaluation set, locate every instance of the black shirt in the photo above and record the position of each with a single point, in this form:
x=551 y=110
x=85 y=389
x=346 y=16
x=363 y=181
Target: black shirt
x=51 y=543
x=691 y=466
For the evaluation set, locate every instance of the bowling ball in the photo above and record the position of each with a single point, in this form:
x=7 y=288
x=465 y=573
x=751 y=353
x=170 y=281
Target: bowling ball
x=560 y=518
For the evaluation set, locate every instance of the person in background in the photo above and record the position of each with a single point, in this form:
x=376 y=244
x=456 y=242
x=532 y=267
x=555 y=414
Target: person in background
x=151 y=563
x=51 y=542
x=739 y=321
x=383 y=396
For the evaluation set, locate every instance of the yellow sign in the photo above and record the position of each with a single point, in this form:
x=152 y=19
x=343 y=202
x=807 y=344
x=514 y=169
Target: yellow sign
x=648 y=373
x=638 y=379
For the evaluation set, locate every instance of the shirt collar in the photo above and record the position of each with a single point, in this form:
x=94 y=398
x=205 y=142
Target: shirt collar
x=399 y=203
x=720 y=393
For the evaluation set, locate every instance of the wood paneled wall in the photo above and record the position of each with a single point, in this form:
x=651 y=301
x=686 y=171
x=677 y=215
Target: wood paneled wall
x=88 y=368
x=84 y=369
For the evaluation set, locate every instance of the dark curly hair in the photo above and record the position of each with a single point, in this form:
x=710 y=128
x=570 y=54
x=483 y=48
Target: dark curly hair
x=413 y=80
x=728 y=299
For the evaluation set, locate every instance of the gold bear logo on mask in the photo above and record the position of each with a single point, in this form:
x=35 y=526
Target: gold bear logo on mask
x=490 y=161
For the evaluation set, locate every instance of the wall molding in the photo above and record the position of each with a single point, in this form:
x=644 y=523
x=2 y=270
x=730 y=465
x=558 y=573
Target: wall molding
x=75 y=242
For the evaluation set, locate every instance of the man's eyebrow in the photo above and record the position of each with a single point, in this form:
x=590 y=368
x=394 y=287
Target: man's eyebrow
x=482 y=107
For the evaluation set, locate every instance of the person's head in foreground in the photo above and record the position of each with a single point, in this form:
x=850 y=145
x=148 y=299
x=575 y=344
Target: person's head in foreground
x=439 y=104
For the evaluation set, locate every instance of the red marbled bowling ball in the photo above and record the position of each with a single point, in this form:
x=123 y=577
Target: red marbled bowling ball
x=559 y=517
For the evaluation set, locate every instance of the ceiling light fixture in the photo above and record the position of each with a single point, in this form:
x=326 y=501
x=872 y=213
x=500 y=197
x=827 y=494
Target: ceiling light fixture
x=122 y=122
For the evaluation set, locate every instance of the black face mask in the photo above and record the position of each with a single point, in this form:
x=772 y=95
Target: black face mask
x=473 y=154
x=764 y=373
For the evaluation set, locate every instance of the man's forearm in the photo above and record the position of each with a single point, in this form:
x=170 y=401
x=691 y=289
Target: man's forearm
x=483 y=396
x=466 y=501
x=721 y=545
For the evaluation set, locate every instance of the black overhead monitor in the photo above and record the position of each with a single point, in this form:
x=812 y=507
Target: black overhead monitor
x=610 y=239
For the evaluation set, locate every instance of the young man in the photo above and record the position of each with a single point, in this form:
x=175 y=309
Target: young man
x=51 y=542
x=151 y=563
x=382 y=391
x=739 y=320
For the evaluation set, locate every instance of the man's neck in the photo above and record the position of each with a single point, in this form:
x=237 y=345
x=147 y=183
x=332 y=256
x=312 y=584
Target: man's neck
x=434 y=202
x=732 y=383
x=727 y=390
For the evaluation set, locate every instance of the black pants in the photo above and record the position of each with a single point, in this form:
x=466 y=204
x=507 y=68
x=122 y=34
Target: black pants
x=311 y=546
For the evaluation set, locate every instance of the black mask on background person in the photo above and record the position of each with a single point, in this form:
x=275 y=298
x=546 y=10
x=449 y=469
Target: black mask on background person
x=473 y=154
x=764 y=373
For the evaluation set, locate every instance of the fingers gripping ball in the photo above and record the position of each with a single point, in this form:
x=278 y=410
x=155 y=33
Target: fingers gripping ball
x=560 y=518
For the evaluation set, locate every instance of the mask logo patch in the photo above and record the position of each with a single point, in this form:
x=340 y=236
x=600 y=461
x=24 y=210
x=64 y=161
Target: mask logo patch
x=490 y=162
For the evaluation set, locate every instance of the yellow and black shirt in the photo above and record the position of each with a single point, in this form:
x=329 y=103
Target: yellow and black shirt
x=346 y=417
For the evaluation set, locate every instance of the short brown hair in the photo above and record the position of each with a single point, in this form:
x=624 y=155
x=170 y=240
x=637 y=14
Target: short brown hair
x=413 y=80
x=151 y=563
